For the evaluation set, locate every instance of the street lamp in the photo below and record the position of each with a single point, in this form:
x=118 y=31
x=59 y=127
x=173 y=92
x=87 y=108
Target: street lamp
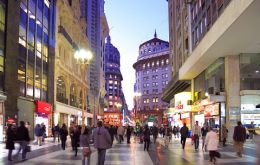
x=83 y=58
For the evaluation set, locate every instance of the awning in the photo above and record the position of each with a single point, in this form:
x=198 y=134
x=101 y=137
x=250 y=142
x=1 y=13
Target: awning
x=174 y=86
x=43 y=107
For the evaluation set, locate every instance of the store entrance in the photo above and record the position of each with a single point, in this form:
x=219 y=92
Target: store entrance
x=44 y=120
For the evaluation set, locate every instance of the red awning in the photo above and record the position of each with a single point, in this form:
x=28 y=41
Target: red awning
x=43 y=107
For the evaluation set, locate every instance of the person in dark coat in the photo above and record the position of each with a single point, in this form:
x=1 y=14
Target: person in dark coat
x=155 y=133
x=75 y=134
x=239 y=138
x=10 y=137
x=111 y=131
x=184 y=134
x=63 y=136
x=38 y=131
x=147 y=134
x=23 y=139
x=128 y=133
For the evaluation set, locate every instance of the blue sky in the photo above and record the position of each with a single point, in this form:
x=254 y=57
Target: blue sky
x=131 y=23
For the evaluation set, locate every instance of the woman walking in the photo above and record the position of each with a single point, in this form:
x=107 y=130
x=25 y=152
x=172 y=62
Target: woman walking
x=212 y=145
x=84 y=143
x=10 y=141
x=75 y=139
x=147 y=134
x=63 y=136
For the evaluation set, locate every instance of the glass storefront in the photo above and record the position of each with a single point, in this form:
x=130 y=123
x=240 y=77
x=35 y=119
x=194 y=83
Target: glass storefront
x=250 y=71
x=249 y=111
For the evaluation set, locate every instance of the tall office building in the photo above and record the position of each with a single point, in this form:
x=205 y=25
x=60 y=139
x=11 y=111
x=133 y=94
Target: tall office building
x=223 y=64
x=114 y=96
x=71 y=81
x=97 y=31
x=30 y=39
x=152 y=71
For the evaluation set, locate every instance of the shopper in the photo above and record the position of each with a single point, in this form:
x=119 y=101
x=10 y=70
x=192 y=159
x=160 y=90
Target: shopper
x=204 y=131
x=155 y=133
x=38 y=131
x=63 y=136
x=23 y=139
x=10 y=137
x=251 y=130
x=239 y=138
x=147 y=140
x=84 y=143
x=196 y=131
x=128 y=133
x=184 y=134
x=211 y=141
x=224 y=134
x=120 y=133
x=75 y=139
x=102 y=141
x=56 y=133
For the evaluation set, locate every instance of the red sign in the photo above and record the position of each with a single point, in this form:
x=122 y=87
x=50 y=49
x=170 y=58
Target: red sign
x=180 y=106
x=43 y=107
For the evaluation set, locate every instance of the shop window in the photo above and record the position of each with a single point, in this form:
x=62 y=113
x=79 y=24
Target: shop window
x=61 y=90
x=73 y=95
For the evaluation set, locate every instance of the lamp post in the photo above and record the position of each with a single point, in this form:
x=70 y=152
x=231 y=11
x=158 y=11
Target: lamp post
x=83 y=58
x=136 y=96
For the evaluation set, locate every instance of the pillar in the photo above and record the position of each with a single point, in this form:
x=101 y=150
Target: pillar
x=232 y=86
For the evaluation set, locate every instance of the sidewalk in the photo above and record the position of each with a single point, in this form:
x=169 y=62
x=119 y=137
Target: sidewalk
x=48 y=143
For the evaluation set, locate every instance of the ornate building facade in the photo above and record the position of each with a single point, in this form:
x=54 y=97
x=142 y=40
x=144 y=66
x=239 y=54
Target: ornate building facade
x=152 y=75
x=114 y=96
x=71 y=77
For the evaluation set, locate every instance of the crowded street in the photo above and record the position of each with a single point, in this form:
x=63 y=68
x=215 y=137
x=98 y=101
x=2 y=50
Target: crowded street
x=133 y=154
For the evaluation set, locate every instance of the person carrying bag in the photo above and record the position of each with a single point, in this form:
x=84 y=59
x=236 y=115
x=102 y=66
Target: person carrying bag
x=84 y=143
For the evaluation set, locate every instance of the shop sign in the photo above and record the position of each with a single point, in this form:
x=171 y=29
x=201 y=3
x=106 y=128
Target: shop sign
x=151 y=118
x=180 y=106
x=43 y=107
x=185 y=115
x=212 y=110
x=176 y=117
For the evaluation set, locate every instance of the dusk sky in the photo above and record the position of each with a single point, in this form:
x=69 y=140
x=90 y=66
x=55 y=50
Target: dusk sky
x=131 y=23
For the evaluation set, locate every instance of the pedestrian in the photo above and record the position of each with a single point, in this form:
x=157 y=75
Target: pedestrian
x=38 y=131
x=23 y=139
x=196 y=133
x=174 y=131
x=120 y=133
x=204 y=131
x=155 y=133
x=178 y=131
x=147 y=134
x=102 y=141
x=167 y=136
x=10 y=137
x=251 y=131
x=56 y=133
x=84 y=143
x=75 y=134
x=43 y=127
x=239 y=138
x=63 y=136
x=70 y=133
x=128 y=133
x=224 y=134
x=111 y=132
x=211 y=141
x=184 y=134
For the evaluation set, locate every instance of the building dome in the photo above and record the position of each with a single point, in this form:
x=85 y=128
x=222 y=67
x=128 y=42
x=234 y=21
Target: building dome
x=112 y=54
x=152 y=46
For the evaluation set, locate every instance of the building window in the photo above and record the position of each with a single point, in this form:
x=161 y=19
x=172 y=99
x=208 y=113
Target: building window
x=167 y=61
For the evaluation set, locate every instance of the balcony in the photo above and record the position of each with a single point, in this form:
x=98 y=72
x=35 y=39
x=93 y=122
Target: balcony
x=62 y=99
x=63 y=31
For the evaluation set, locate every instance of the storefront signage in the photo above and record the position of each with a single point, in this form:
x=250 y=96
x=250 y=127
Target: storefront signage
x=180 y=106
x=43 y=107
x=185 y=115
x=181 y=100
x=212 y=110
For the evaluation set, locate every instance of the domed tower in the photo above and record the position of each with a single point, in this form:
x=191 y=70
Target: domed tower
x=152 y=75
x=113 y=76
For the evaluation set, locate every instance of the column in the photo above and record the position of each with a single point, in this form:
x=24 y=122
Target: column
x=232 y=86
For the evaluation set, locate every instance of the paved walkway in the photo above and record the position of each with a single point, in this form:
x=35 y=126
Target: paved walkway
x=133 y=154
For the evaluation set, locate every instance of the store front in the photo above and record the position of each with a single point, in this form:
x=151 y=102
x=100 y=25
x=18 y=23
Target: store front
x=249 y=110
x=42 y=114
x=112 y=118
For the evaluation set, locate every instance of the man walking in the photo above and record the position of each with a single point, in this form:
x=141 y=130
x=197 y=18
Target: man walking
x=128 y=133
x=120 y=133
x=102 y=141
x=239 y=138
x=196 y=133
x=155 y=133
x=23 y=139
x=184 y=134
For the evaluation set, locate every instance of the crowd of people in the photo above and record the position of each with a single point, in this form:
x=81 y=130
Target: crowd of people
x=104 y=135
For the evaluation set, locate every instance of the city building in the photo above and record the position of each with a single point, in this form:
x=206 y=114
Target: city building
x=71 y=76
x=97 y=31
x=27 y=35
x=114 y=96
x=152 y=71
x=223 y=62
x=2 y=66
